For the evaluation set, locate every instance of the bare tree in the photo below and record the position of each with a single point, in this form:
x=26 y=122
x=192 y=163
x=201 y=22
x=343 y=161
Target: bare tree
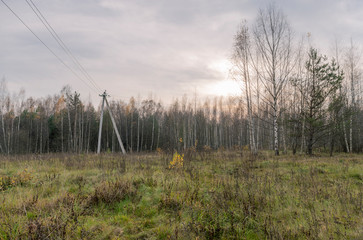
x=352 y=60
x=273 y=39
x=242 y=64
x=3 y=94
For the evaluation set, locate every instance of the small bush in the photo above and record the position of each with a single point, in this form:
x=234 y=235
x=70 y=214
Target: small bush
x=177 y=162
x=21 y=179
x=170 y=204
x=112 y=192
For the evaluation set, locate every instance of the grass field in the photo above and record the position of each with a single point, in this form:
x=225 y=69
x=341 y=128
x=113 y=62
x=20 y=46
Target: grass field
x=213 y=195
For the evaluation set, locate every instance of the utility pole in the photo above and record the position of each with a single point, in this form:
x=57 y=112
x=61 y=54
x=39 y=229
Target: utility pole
x=104 y=99
x=104 y=95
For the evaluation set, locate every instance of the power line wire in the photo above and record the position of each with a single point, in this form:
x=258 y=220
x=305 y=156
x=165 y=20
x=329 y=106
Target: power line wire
x=54 y=34
x=59 y=59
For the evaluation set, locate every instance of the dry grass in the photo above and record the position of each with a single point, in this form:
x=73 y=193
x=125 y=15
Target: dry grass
x=227 y=195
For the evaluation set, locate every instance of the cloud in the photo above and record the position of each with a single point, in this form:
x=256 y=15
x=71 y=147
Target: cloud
x=163 y=47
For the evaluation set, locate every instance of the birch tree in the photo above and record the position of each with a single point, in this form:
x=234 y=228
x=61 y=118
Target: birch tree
x=242 y=64
x=273 y=39
x=352 y=60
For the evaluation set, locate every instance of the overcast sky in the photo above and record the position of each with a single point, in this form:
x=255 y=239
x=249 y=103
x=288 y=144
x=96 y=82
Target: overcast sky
x=163 y=48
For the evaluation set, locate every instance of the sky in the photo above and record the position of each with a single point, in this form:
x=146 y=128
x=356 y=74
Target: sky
x=162 y=49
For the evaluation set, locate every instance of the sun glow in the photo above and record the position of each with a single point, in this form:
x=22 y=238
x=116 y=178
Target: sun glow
x=222 y=66
x=226 y=86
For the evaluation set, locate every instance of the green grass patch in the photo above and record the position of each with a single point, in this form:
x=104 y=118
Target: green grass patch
x=218 y=195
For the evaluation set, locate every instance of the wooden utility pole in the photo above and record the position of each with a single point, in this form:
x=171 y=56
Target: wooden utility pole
x=115 y=128
x=104 y=99
x=101 y=121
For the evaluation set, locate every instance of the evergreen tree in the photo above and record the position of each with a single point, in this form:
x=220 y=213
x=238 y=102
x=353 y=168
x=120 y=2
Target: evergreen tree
x=322 y=80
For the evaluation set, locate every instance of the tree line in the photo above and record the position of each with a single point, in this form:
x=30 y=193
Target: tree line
x=293 y=98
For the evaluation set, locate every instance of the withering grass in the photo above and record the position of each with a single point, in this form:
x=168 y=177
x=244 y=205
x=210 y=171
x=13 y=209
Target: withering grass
x=215 y=195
